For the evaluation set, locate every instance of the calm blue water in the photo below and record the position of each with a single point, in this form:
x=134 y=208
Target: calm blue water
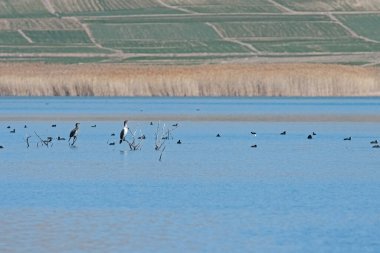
x=208 y=194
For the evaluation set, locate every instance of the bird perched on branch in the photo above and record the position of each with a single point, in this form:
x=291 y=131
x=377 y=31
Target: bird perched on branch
x=74 y=133
x=123 y=132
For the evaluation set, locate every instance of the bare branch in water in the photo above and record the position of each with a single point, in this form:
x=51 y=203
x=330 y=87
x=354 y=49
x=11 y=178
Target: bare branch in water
x=162 y=151
x=44 y=142
x=162 y=136
x=133 y=144
x=27 y=141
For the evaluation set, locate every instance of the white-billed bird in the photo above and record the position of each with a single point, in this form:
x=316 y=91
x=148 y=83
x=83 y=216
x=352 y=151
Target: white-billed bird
x=123 y=132
x=74 y=133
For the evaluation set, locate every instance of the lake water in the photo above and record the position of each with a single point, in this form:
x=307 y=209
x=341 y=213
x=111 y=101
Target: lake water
x=208 y=194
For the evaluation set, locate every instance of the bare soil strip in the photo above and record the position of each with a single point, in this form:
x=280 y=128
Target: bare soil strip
x=281 y=7
x=25 y=36
x=174 y=7
x=49 y=7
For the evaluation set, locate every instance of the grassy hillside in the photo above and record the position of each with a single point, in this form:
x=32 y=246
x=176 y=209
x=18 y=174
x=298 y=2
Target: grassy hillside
x=190 y=31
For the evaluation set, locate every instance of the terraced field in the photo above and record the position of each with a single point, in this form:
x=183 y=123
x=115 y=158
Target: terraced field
x=190 y=31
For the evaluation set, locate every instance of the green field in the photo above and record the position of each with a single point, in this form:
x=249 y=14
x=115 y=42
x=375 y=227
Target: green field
x=188 y=31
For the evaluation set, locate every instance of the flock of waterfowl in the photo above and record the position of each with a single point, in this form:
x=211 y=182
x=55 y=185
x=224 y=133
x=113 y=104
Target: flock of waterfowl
x=73 y=135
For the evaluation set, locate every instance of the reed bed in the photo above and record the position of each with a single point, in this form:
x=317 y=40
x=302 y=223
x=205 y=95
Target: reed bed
x=28 y=79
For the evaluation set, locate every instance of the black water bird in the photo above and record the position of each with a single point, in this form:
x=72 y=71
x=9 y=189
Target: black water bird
x=1 y=147
x=175 y=125
x=93 y=126
x=376 y=146
x=151 y=123
x=142 y=137
x=347 y=138
x=25 y=126
x=111 y=143
x=61 y=138
x=123 y=132
x=13 y=131
x=112 y=134
x=53 y=125
x=314 y=133
x=283 y=133
x=253 y=133
x=8 y=127
x=179 y=142
x=310 y=136
x=374 y=142
x=74 y=133
x=254 y=146
x=218 y=135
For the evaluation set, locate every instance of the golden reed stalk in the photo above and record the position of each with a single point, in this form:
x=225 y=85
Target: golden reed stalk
x=29 y=79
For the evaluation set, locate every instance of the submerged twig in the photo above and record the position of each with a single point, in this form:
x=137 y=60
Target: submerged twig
x=27 y=141
x=162 y=151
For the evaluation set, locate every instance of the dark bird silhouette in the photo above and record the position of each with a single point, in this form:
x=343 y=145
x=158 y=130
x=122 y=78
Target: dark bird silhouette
x=374 y=142
x=179 y=142
x=54 y=125
x=254 y=146
x=254 y=133
x=123 y=132
x=13 y=131
x=218 y=135
x=1 y=147
x=111 y=143
x=347 y=138
x=142 y=137
x=61 y=139
x=314 y=133
x=93 y=126
x=151 y=123
x=283 y=133
x=112 y=134
x=74 y=133
x=25 y=126
x=175 y=125
x=376 y=146
x=310 y=137
x=8 y=127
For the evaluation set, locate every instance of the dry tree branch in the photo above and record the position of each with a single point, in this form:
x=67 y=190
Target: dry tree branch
x=44 y=142
x=135 y=145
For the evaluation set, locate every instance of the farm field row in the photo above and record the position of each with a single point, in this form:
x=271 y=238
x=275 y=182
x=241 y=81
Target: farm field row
x=141 y=29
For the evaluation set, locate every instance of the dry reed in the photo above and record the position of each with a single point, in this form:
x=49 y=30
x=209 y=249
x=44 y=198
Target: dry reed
x=27 y=79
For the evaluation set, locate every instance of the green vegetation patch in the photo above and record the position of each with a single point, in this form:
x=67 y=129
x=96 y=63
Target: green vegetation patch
x=206 y=18
x=365 y=25
x=159 y=31
x=110 y=7
x=58 y=37
x=331 y=5
x=172 y=47
x=52 y=49
x=316 y=46
x=281 y=29
x=232 y=8
x=12 y=38
x=63 y=60
x=22 y=8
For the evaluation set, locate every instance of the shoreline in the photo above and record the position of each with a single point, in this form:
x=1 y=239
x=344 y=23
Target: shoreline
x=269 y=79
x=368 y=118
